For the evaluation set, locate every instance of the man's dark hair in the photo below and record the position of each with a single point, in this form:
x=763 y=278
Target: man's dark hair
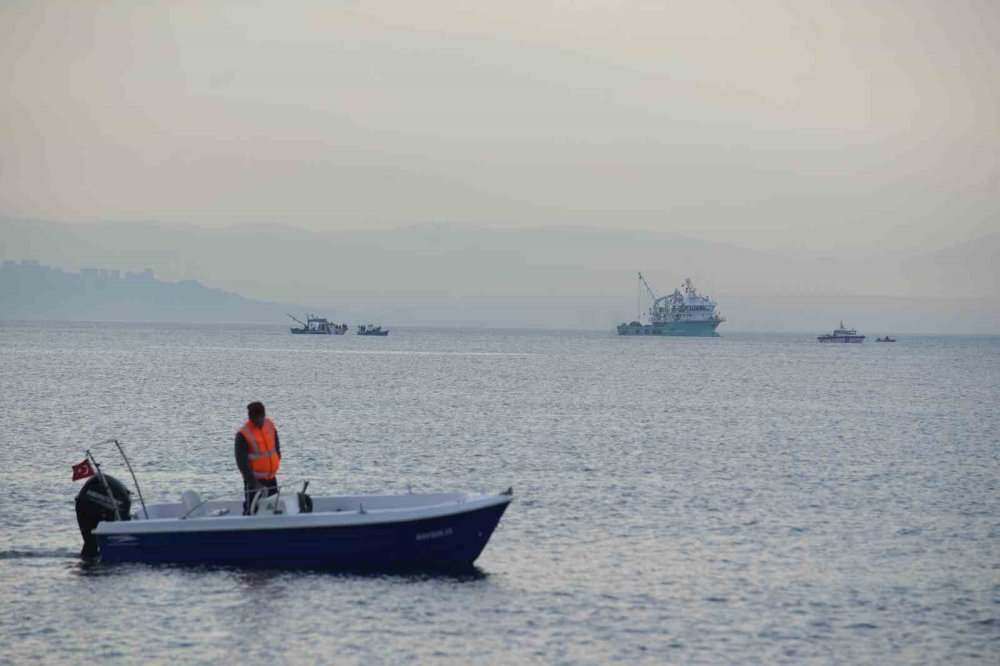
x=255 y=409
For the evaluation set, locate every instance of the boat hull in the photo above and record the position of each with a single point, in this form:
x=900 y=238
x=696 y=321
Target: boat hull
x=700 y=329
x=299 y=331
x=450 y=540
x=841 y=338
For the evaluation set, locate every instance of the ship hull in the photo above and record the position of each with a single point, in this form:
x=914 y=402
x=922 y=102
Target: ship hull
x=841 y=338
x=697 y=329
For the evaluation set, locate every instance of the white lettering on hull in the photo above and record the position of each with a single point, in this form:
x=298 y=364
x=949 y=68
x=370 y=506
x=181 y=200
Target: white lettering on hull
x=436 y=534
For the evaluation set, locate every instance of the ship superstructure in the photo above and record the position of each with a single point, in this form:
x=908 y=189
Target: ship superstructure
x=681 y=313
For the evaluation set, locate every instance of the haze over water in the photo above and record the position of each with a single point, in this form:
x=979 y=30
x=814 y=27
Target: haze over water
x=752 y=498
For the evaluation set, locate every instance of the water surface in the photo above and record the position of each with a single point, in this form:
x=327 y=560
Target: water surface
x=744 y=499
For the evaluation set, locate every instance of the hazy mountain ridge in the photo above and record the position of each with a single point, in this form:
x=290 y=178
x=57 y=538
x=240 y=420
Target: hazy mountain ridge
x=29 y=290
x=441 y=274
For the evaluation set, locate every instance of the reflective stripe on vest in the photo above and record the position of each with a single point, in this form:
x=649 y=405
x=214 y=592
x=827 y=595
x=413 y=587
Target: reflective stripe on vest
x=262 y=453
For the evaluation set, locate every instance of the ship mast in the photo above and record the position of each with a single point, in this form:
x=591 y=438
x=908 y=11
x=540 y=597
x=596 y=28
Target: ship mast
x=638 y=296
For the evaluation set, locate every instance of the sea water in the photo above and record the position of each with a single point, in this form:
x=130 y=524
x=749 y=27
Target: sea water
x=746 y=499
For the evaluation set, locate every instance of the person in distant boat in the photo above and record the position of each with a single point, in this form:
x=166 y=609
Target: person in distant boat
x=258 y=454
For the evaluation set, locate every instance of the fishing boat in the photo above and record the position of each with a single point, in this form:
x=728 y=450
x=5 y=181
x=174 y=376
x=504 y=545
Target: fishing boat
x=314 y=325
x=885 y=339
x=287 y=530
x=688 y=313
x=372 y=330
x=842 y=334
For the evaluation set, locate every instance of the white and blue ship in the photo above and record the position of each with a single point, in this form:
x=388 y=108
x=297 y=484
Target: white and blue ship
x=844 y=334
x=686 y=313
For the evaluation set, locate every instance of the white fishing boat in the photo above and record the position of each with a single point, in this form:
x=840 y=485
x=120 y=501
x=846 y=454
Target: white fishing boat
x=842 y=334
x=314 y=325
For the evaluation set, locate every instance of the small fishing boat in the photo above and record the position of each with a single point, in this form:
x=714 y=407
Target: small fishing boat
x=885 y=339
x=372 y=330
x=288 y=530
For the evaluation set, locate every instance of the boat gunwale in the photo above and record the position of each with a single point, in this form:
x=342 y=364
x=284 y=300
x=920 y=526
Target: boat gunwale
x=314 y=520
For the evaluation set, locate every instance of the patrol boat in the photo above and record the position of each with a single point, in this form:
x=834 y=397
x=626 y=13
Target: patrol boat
x=688 y=313
x=287 y=530
x=842 y=334
x=314 y=325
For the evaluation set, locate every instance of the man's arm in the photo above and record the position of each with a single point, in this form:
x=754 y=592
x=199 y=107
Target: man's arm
x=242 y=451
x=277 y=444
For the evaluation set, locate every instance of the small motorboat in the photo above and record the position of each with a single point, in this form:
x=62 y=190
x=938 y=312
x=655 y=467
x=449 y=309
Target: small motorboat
x=885 y=339
x=377 y=331
x=287 y=530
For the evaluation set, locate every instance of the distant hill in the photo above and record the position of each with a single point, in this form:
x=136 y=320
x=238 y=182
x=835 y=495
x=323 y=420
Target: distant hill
x=29 y=290
x=555 y=277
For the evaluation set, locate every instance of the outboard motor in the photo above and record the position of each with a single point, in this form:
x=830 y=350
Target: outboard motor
x=305 y=502
x=93 y=506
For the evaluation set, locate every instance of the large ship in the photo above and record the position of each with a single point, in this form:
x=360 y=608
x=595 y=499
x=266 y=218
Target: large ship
x=687 y=313
x=843 y=334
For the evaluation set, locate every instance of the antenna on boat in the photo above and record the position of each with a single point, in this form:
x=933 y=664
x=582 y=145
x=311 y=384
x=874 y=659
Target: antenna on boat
x=638 y=296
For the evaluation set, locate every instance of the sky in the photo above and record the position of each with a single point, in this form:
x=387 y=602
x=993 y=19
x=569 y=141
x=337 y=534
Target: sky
x=800 y=129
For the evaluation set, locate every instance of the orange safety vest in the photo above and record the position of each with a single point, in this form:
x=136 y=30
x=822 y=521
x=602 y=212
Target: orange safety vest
x=264 y=460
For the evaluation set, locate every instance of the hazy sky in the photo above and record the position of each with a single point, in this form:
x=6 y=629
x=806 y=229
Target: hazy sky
x=775 y=125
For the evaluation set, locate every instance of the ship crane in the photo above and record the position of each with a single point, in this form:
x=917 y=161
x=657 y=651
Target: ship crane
x=638 y=295
x=304 y=325
x=652 y=293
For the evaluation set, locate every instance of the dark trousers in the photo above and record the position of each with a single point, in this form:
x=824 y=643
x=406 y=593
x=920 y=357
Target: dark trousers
x=268 y=486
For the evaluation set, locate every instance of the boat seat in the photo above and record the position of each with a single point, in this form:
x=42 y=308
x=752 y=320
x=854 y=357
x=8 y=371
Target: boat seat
x=193 y=506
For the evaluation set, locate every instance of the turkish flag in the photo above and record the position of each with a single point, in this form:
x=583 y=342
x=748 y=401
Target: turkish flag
x=83 y=470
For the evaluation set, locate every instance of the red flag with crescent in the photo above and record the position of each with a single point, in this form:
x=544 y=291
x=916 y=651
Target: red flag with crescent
x=83 y=470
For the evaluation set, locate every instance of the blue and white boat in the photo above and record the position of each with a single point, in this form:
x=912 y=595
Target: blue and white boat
x=290 y=529
x=677 y=314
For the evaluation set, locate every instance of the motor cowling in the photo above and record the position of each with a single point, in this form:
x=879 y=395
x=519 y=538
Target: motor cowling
x=93 y=505
x=305 y=502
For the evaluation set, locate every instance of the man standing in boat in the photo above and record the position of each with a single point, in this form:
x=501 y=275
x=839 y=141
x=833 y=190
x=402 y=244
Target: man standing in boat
x=258 y=454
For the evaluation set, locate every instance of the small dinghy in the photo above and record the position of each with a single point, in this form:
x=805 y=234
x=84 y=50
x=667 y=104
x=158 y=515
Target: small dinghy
x=287 y=530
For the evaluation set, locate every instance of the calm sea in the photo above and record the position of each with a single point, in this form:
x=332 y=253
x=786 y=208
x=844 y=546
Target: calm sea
x=747 y=499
